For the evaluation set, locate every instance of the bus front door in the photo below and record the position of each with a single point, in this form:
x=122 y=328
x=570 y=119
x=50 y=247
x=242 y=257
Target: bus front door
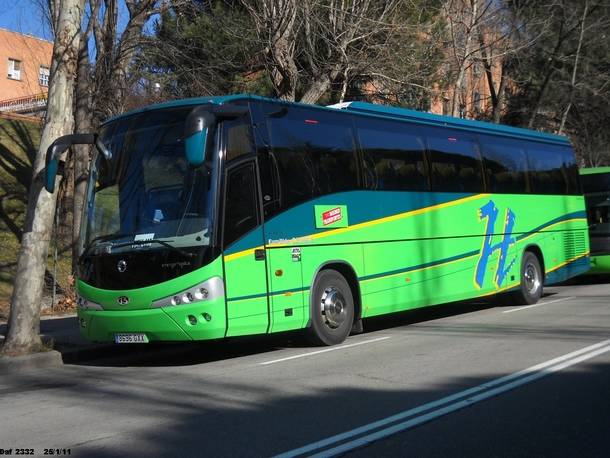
x=244 y=255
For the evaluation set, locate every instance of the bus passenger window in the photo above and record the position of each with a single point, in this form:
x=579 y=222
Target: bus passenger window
x=240 y=204
x=455 y=162
x=547 y=171
x=314 y=154
x=505 y=166
x=393 y=156
x=571 y=170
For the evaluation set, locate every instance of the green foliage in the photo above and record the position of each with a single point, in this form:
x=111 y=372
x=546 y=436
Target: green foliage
x=196 y=51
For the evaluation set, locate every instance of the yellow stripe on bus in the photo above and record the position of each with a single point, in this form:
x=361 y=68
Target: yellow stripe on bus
x=385 y=219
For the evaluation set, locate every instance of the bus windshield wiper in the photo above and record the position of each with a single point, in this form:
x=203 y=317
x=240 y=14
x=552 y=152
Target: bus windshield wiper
x=101 y=238
x=165 y=243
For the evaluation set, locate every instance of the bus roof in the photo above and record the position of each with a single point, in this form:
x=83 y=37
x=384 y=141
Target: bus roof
x=594 y=170
x=370 y=109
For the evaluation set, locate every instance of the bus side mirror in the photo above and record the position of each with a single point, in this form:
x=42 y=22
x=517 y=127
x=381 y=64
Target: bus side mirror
x=198 y=128
x=51 y=165
x=54 y=152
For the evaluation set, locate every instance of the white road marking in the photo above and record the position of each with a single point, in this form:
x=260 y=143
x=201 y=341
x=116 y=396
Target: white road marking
x=536 y=305
x=445 y=405
x=312 y=353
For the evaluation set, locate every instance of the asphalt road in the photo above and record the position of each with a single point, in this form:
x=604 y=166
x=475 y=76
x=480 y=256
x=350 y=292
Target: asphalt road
x=460 y=380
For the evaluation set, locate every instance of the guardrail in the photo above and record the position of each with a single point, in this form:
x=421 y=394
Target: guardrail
x=27 y=104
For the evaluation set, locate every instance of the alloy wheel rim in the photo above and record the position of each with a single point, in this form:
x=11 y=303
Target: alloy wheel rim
x=532 y=278
x=333 y=307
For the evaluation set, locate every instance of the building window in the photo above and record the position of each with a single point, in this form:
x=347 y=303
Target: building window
x=14 y=69
x=43 y=76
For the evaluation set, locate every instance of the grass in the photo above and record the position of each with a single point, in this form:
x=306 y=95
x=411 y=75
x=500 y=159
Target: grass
x=19 y=141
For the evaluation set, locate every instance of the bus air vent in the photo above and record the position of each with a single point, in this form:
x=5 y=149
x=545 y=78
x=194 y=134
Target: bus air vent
x=573 y=244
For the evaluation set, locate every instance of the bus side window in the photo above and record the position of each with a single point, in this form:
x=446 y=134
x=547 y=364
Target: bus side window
x=268 y=170
x=393 y=156
x=571 y=171
x=505 y=165
x=454 y=161
x=314 y=154
x=238 y=138
x=547 y=172
x=241 y=214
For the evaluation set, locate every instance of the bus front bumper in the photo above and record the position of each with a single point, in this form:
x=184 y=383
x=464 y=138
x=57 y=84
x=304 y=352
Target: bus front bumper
x=181 y=323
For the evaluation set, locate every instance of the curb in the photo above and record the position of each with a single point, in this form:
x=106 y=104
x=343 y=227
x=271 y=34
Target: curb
x=34 y=361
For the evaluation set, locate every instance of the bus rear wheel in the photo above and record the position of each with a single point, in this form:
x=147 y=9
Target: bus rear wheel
x=530 y=288
x=332 y=309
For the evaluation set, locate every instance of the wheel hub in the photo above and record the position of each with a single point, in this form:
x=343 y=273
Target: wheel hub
x=333 y=307
x=532 y=279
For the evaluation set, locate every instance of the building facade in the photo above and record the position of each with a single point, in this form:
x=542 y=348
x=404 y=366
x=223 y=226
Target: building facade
x=25 y=63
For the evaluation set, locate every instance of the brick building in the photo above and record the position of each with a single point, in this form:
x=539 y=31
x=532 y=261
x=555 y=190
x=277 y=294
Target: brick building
x=25 y=63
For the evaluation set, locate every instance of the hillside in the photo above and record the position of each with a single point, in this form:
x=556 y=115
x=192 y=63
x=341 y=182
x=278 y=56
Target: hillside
x=19 y=139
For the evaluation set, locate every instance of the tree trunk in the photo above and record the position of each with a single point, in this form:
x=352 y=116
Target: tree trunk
x=81 y=153
x=284 y=71
x=501 y=95
x=316 y=89
x=321 y=84
x=465 y=61
x=550 y=71
x=564 y=116
x=24 y=320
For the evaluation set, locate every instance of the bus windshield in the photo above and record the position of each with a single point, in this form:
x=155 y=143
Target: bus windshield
x=146 y=196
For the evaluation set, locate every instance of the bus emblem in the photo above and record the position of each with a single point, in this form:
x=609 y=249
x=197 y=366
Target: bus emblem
x=123 y=300
x=122 y=266
x=490 y=211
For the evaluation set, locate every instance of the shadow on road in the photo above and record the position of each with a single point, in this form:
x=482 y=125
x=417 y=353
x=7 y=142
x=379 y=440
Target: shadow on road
x=598 y=279
x=194 y=353
x=244 y=414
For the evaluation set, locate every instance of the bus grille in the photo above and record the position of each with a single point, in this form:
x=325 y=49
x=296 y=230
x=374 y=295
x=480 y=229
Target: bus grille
x=573 y=244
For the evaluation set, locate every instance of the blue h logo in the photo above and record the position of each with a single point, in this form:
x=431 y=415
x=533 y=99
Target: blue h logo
x=490 y=211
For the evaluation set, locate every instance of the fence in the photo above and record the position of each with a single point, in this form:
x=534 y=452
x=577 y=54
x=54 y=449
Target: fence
x=28 y=104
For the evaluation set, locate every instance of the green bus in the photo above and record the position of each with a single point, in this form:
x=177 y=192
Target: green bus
x=596 y=187
x=226 y=216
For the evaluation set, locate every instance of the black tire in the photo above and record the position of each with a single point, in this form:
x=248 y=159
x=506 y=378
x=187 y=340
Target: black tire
x=530 y=287
x=332 y=309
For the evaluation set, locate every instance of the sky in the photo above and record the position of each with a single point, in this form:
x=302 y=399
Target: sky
x=23 y=16
x=26 y=16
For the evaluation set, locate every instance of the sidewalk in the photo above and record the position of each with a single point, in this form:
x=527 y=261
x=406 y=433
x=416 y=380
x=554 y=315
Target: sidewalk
x=62 y=332
x=69 y=347
x=62 y=329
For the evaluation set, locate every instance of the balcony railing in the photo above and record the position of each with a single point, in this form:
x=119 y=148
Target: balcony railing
x=29 y=104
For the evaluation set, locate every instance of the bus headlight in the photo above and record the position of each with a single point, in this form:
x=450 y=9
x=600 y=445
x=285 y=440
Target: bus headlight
x=208 y=290
x=86 y=304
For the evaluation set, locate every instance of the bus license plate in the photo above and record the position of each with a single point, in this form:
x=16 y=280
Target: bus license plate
x=134 y=337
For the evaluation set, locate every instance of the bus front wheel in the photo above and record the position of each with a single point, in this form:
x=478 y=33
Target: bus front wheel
x=530 y=288
x=332 y=309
